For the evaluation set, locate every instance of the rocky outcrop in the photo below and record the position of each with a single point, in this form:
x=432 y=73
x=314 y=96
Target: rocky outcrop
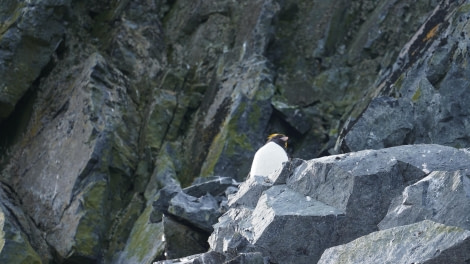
x=188 y=214
x=65 y=179
x=30 y=35
x=333 y=200
x=20 y=241
x=105 y=104
x=423 y=96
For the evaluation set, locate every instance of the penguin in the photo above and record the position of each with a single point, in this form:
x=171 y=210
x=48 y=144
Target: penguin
x=270 y=157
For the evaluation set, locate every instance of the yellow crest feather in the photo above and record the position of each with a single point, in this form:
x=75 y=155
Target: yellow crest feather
x=270 y=137
x=273 y=135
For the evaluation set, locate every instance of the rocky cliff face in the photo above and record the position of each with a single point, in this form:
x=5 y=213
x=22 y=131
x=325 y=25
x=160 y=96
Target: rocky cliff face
x=108 y=109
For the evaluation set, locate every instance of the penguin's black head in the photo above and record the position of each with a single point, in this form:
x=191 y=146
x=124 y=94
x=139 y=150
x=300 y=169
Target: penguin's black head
x=279 y=139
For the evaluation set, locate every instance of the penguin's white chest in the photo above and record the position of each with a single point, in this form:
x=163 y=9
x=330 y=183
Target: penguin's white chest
x=268 y=159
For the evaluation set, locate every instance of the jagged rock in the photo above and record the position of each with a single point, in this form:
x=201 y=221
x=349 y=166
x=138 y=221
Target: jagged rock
x=196 y=204
x=425 y=92
x=164 y=196
x=218 y=187
x=77 y=165
x=201 y=212
x=423 y=242
x=227 y=236
x=285 y=172
x=185 y=232
x=30 y=34
x=363 y=183
x=443 y=197
x=14 y=244
x=343 y=197
x=233 y=116
x=292 y=228
x=165 y=171
x=243 y=116
x=333 y=67
x=20 y=240
x=250 y=191
x=391 y=119
x=248 y=258
x=210 y=257
x=194 y=210
x=145 y=243
x=120 y=89
x=213 y=257
x=161 y=116
x=285 y=225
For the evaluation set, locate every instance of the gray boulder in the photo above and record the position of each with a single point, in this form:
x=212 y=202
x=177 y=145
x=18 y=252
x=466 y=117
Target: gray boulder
x=195 y=205
x=290 y=227
x=285 y=225
x=188 y=214
x=164 y=196
x=443 y=197
x=391 y=120
x=422 y=242
x=363 y=184
x=333 y=200
x=202 y=212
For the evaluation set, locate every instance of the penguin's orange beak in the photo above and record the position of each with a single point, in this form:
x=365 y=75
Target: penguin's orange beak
x=285 y=139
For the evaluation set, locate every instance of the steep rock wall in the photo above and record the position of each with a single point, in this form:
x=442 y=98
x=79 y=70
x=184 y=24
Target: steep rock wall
x=104 y=103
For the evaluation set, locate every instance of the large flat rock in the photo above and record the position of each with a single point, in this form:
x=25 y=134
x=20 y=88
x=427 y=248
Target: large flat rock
x=422 y=242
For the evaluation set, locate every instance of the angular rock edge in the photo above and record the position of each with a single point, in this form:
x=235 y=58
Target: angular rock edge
x=336 y=204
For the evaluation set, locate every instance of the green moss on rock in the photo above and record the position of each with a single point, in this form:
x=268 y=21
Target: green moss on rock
x=89 y=235
x=12 y=11
x=464 y=8
x=145 y=242
x=416 y=95
x=14 y=245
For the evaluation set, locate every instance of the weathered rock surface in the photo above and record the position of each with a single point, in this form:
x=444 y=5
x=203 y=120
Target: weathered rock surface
x=146 y=241
x=65 y=179
x=190 y=213
x=333 y=200
x=424 y=96
x=19 y=240
x=30 y=35
x=200 y=204
x=423 y=242
x=105 y=103
x=442 y=197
